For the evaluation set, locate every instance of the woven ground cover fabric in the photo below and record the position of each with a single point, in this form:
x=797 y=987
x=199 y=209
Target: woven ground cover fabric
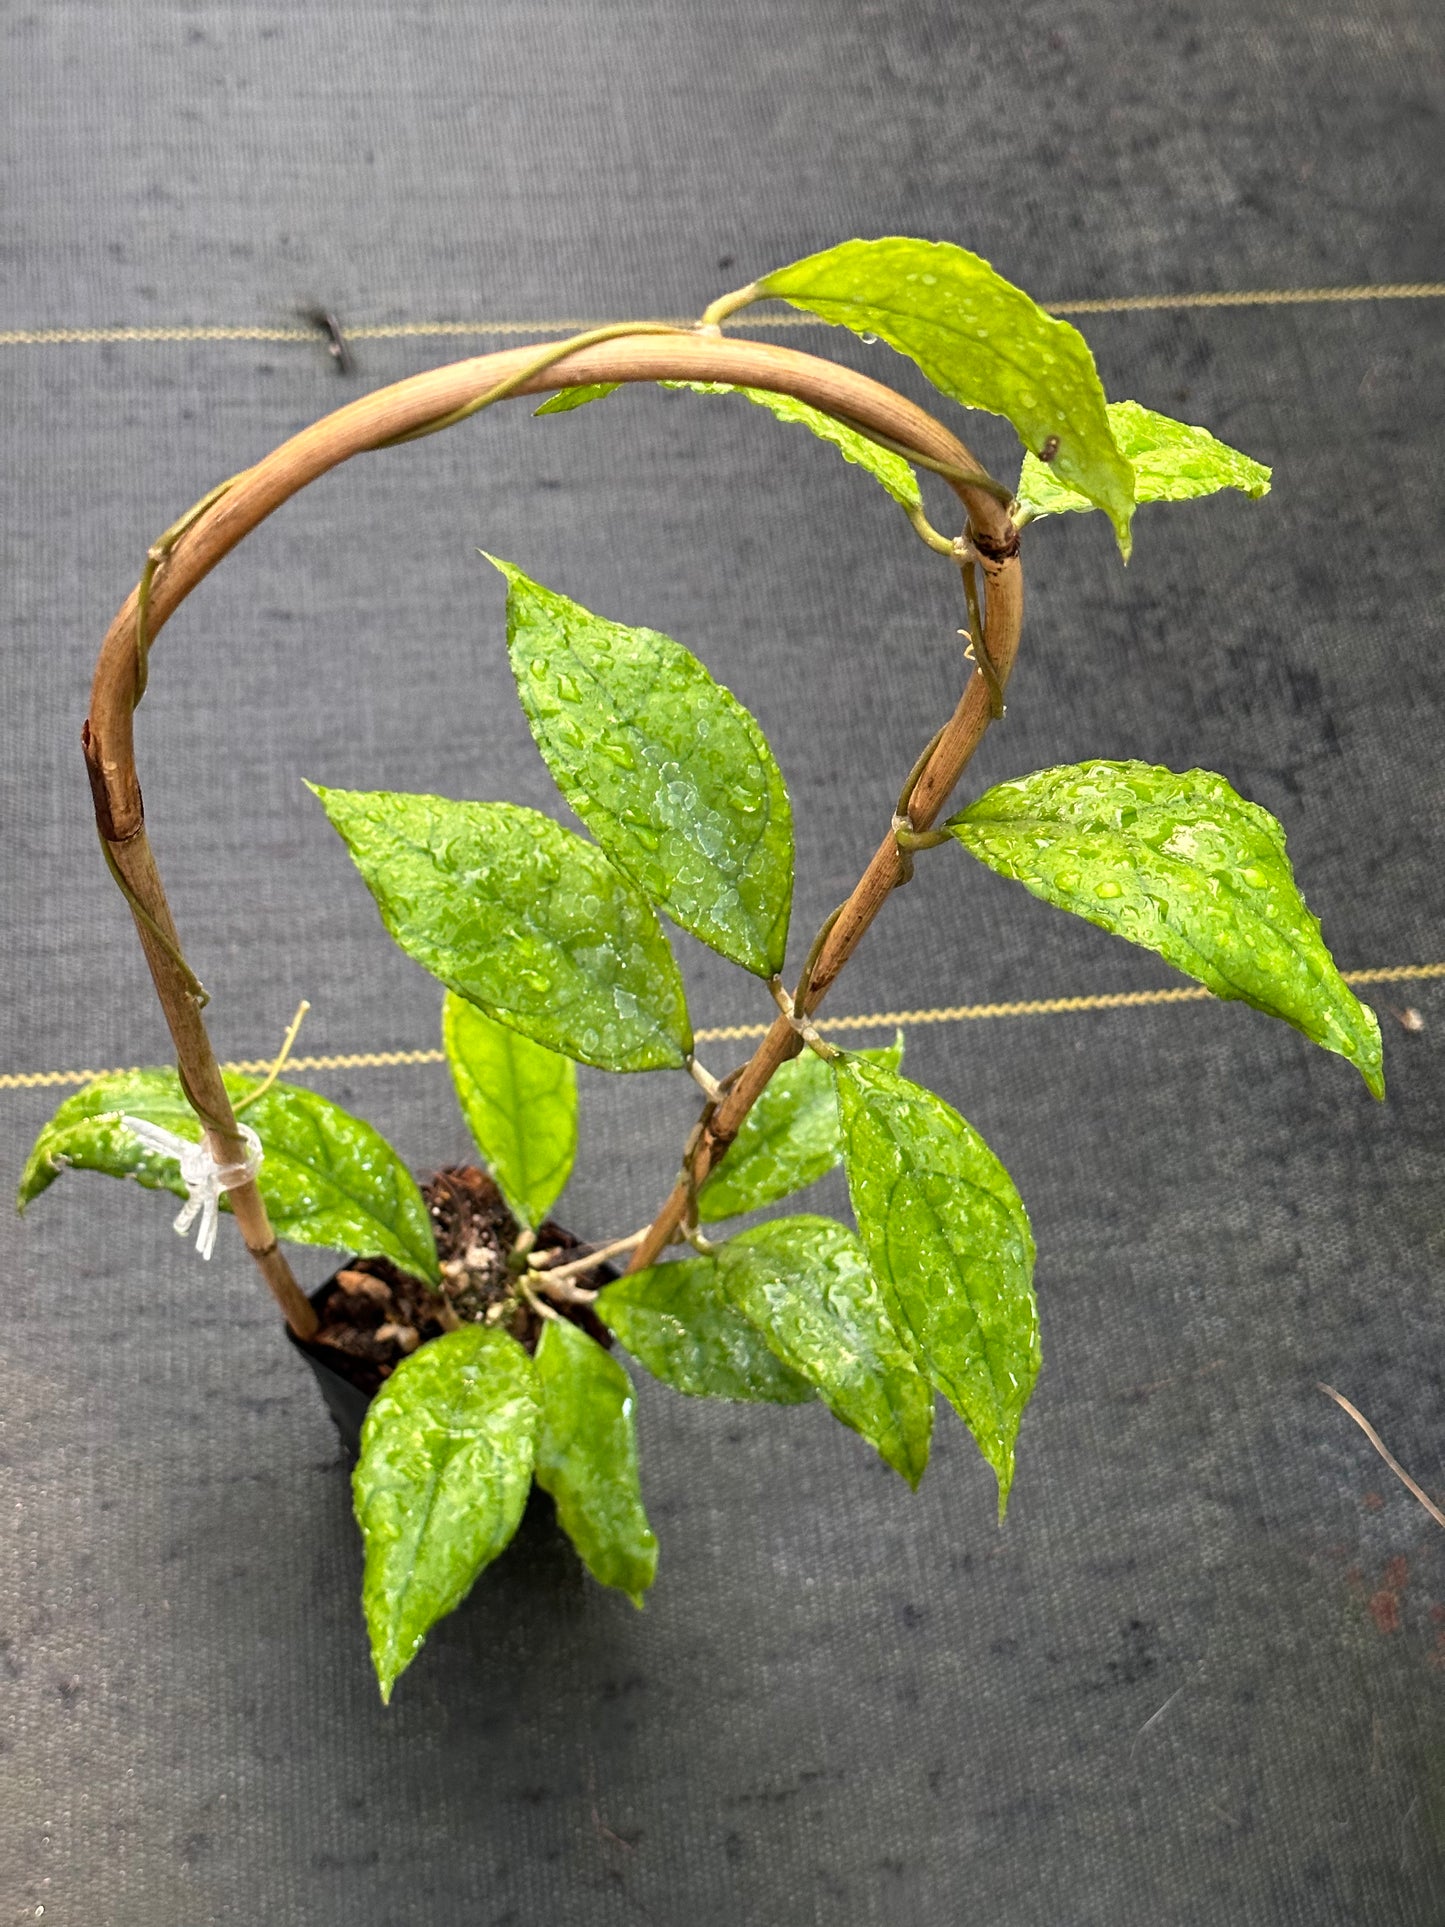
x=1197 y=1676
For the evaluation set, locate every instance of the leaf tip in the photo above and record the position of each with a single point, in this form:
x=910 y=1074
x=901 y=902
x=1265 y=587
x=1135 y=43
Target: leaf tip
x=387 y=1673
x=1368 y=1057
x=1005 y=1485
x=912 y=1474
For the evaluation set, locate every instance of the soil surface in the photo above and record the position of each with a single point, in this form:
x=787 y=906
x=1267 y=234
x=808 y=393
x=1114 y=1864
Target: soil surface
x=373 y=1315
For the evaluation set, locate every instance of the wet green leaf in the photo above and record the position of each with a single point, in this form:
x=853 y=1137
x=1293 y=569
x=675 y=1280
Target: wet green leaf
x=525 y=920
x=891 y=471
x=948 y=1239
x=1172 y=462
x=327 y=1177
x=804 y=1283
x=791 y=1137
x=587 y=1458
x=664 y=766
x=980 y=340
x=445 y=1468
x=86 y=1132
x=566 y=399
x=1186 y=867
x=675 y=1319
x=520 y=1103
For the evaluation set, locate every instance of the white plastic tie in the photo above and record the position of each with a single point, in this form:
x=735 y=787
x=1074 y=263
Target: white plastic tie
x=203 y=1177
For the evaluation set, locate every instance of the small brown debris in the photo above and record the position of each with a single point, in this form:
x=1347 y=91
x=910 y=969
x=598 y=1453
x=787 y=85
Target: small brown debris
x=406 y=1336
x=1372 y=1501
x=1408 y=1019
x=1397 y=1571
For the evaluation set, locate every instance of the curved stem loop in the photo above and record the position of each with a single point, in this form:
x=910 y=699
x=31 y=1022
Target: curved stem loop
x=626 y=352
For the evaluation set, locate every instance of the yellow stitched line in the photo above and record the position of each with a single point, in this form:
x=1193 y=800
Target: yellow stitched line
x=728 y=1033
x=1254 y=298
x=410 y=330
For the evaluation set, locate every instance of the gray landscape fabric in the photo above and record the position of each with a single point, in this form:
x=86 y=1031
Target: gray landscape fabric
x=1197 y=1676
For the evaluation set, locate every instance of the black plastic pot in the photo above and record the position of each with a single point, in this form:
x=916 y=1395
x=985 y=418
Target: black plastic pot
x=346 y=1403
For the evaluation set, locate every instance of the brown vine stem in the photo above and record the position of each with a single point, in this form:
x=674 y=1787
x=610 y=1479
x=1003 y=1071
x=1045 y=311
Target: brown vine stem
x=390 y=413
x=890 y=867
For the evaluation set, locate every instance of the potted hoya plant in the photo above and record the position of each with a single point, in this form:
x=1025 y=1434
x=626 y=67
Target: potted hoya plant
x=469 y=1346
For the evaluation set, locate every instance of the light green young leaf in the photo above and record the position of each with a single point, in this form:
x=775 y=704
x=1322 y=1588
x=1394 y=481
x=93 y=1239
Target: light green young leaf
x=676 y=1320
x=948 y=1240
x=664 y=766
x=445 y=1468
x=327 y=1177
x=790 y=1138
x=525 y=920
x=804 y=1283
x=886 y=468
x=587 y=1458
x=891 y=471
x=979 y=339
x=1172 y=462
x=1183 y=865
x=566 y=399
x=520 y=1103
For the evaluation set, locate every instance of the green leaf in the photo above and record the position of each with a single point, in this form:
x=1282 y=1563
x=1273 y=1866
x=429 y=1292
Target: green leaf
x=676 y=1320
x=804 y=1283
x=664 y=766
x=523 y=919
x=1172 y=462
x=86 y=1132
x=327 y=1177
x=587 y=1458
x=445 y=1468
x=520 y=1103
x=790 y=1138
x=1186 y=867
x=566 y=399
x=886 y=468
x=980 y=340
x=948 y=1239
x=891 y=471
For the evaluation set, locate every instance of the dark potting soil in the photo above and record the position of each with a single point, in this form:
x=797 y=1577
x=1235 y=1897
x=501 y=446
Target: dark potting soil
x=373 y=1314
